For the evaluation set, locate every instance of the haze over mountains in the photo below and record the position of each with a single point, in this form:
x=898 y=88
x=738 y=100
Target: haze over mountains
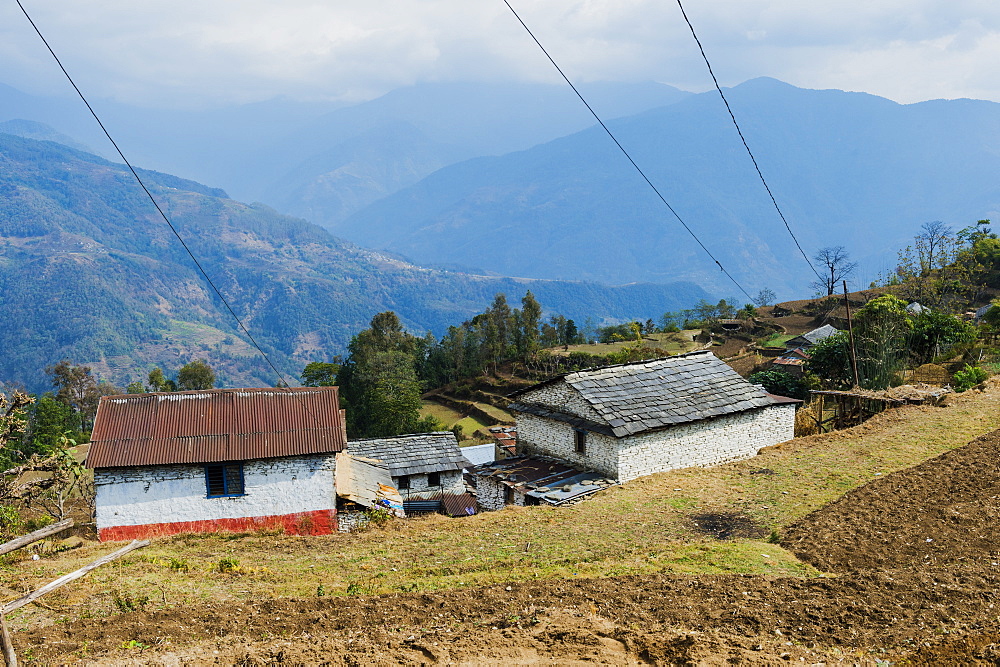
x=498 y=179
x=88 y=271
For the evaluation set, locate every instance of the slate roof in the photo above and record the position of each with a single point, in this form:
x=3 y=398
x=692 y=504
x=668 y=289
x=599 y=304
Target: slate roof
x=649 y=395
x=814 y=336
x=413 y=454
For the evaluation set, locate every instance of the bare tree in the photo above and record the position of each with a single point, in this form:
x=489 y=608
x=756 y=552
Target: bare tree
x=765 y=297
x=835 y=268
x=931 y=246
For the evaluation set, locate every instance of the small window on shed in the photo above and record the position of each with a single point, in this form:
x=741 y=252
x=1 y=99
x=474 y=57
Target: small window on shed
x=404 y=482
x=580 y=442
x=224 y=479
x=433 y=479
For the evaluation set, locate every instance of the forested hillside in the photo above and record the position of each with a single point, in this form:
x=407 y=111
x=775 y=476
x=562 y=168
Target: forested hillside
x=89 y=272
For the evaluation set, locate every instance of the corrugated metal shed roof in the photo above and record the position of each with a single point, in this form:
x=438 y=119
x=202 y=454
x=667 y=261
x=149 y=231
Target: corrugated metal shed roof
x=648 y=395
x=413 y=454
x=215 y=425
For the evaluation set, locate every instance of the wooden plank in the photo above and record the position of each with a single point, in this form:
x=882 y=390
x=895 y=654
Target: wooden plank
x=39 y=534
x=9 y=657
x=72 y=576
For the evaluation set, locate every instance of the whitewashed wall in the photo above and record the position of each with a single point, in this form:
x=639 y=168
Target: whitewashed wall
x=451 y=482
x=702 y=443
x=144 y=495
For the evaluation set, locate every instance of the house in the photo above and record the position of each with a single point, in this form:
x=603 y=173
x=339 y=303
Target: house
x=216 y=460
x=425 y=467
x=807 y=340
x=645 y=417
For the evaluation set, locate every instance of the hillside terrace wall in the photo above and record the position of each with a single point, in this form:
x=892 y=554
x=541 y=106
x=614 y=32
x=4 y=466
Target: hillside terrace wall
x=295 y=494
x=701 y=443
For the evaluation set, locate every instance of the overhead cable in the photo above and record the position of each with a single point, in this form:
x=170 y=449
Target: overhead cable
x=745 y=144
x=163 y=215
x=625 y=152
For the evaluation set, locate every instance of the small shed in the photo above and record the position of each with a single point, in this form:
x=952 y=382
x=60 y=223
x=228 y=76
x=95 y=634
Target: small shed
x=424 y=467
x=216 y=460
x=534 y=480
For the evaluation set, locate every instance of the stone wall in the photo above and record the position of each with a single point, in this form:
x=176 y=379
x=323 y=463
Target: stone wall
x=563 y=397
x=706 y=443
x=491 y=494
x=177 y=494
x=351 y=520
x=702 y=443
x=539 y=435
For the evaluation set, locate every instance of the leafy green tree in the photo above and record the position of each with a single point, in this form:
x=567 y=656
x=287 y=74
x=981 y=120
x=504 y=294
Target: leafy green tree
x=531 y=316
x=379 y=387
x=830 y=360
x=320 y=374
x=781 y=383
x=881 y=332
x=195 y=376
x=77 y=387
x=159 y=382
x=135 y=387
x=50 y=422
x=935 y=333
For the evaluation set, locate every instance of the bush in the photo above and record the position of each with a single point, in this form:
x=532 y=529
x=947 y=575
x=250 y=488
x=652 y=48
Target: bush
x=781 y=383
x=969 y=377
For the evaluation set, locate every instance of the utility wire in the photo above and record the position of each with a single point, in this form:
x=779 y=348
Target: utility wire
x=163 y=215
x=745 y=144
x=625 y=152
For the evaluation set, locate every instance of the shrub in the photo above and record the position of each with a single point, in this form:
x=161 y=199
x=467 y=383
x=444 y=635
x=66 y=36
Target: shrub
x=969 y=377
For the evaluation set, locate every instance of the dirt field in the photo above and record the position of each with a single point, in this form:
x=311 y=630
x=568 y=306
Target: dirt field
x=912 y=563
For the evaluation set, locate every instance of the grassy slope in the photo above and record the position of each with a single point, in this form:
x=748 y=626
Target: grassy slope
x=644 y=526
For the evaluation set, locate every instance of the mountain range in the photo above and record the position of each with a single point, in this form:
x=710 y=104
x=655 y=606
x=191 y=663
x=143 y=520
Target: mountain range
x=90 y=272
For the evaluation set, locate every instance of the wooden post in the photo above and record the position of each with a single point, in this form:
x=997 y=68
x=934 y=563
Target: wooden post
x=9 y=657
x=41 y=533
x=72 y=576
x=850 y=333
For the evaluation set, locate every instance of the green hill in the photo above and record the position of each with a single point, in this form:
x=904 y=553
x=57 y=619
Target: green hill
x=89 y=272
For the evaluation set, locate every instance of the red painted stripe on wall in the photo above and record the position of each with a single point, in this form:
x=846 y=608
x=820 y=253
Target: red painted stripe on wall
x=319 y=522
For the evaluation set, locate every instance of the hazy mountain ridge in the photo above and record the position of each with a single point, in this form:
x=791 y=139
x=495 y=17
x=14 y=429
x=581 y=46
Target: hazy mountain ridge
x=88 y=271
x=847 y=168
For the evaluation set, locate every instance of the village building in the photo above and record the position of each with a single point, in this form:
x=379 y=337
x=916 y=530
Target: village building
x=534 y=480
x=810 y=338
x=426 y=468
x=216 y=460
x=645 y=417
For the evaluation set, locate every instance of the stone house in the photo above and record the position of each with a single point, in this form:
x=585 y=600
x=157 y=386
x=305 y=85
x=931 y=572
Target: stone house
x=424 y=467
x=645 y=417
x=810 y=338
x=216 y=460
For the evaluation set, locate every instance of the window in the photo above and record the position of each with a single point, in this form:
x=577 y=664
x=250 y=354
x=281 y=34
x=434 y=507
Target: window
x=580 y=442
x=434 y=479
x=404 y=483
x=224 y=480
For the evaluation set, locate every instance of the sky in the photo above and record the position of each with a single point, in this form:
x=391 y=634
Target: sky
x=213 y=53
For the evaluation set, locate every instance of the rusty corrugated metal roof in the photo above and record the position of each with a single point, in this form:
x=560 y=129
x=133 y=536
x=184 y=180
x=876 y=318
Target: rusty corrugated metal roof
x=215 y=425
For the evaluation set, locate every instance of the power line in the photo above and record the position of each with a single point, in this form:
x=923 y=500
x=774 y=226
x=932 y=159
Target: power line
x=163 y=215
x=745 y=144
x=625 y=152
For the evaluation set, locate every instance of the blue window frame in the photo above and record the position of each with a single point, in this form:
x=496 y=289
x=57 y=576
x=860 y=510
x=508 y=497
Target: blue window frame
x=224 y=480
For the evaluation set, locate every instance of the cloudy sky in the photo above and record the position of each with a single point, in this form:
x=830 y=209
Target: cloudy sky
x=214 y=52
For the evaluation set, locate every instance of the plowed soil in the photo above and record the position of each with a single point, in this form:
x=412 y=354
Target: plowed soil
x=912 y=562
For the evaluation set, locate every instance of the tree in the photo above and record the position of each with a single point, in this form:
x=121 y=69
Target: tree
x=882 y=328
x=935 y=333
x=78 y=388
x=835 y=267
x=320 y=374
x=931 y=246
x=765 y=297
x=195 y=376
x=531 y=316
x=830 y=359
x=159 y=382
x=781 y=383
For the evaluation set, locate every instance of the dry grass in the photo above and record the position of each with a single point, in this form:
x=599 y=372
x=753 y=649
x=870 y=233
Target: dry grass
x=674 y=343
x=644 y=526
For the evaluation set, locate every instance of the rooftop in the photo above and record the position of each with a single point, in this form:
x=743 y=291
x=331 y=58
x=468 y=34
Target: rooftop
x=648 y=395
x=215 y=425
x=413 y=454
